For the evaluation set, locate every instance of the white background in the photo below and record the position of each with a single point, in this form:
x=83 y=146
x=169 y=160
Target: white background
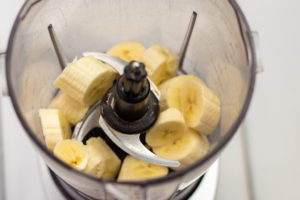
x=272 y=133
x=273 y=120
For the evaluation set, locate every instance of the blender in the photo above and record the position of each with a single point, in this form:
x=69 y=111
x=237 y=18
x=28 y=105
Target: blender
x=221 y=52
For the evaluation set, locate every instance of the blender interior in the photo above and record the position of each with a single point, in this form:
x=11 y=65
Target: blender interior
x=220 y=53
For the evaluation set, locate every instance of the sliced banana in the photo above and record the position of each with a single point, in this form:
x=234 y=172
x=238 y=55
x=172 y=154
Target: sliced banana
x=133 y=169
x=102 y=162
x=86 y=80
x=189 y=148
x=72 y=152
x=129 y=50
x=55 y=127
x=161 y=63
x=73 y=110
x=199 y=105
x=169 y=126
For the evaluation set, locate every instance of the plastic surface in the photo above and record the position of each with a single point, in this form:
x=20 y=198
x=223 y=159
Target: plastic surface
x=220 y=52
x=3 y=85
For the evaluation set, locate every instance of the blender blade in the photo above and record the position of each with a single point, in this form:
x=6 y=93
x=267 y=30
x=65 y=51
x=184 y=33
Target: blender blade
x=90 y=121
x=128 y=143
x=133 y=146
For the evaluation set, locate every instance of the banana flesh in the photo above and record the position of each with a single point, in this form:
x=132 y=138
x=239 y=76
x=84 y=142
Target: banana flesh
x=188 y=149
x=102 y=161
x=129 y=50
x=133 y=169
x=72 y=152
x=73 y=110
x=55 y=127
x=198 y=104
x=169 y=126
x=161 y=63
x=86 y=80
x=189 y=111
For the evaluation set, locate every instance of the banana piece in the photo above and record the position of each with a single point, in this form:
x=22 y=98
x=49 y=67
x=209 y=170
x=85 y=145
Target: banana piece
x=188 y=149
x=163 y=88
x=161 y=63
x=133 y=169
x=199 y=105
x=73 y=110
x=72 y=152
x=55 y=127
x=86 y=80
x=130 y=50
x=169 y=126
x=102 y=162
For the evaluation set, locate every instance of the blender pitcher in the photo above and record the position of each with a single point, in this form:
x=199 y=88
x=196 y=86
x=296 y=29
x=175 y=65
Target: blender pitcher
x=220 y=52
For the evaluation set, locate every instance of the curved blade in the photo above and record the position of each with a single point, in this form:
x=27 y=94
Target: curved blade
x=115 y=62
x=119 y=65
x=133 y=146
x=90 y=121
x=129 y=143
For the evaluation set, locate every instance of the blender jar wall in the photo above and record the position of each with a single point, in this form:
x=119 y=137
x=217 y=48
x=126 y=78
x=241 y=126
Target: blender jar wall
x=220 y=52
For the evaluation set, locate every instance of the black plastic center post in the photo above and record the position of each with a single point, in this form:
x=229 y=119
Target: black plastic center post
x=131 y=100
x=130 y=106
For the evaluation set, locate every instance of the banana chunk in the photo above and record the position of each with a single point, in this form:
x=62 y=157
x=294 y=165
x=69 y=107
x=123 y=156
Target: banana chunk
x=199 y=105
x=55 y=127
x=86 y=80
x=134 y=169
x=102 y=161
x=72 y=152
x=129 y=50
x=161 y=63
x=169 y=126
x=73 y=110
x=188 y=149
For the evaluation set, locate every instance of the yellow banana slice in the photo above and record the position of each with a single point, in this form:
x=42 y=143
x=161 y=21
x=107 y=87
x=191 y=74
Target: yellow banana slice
x=102 y=162
x=86 y=80
x=187 y=149
x=199 y=105
x=73 y=110
x=72 y=152
x=55 y=126
x=134 y=169
x=169 y=126
x=161 y=63
x=129 y=50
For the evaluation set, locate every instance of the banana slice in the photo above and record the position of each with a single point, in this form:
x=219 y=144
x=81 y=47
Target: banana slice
x=86 y=80
x=55 y=127
x=72 y=152
x=102 y=162
x=73 y=110
x=169 y=126
x=134 y=169
x=199 y=105
x=161 y=63
x=130 y=50
x=187 y=149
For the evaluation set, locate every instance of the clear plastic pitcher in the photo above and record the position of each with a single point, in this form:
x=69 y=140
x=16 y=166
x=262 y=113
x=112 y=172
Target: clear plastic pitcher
x=220 y=52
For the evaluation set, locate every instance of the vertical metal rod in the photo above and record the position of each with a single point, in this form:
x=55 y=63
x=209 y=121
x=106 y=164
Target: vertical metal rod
x=186 y=40
x=56 y=47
